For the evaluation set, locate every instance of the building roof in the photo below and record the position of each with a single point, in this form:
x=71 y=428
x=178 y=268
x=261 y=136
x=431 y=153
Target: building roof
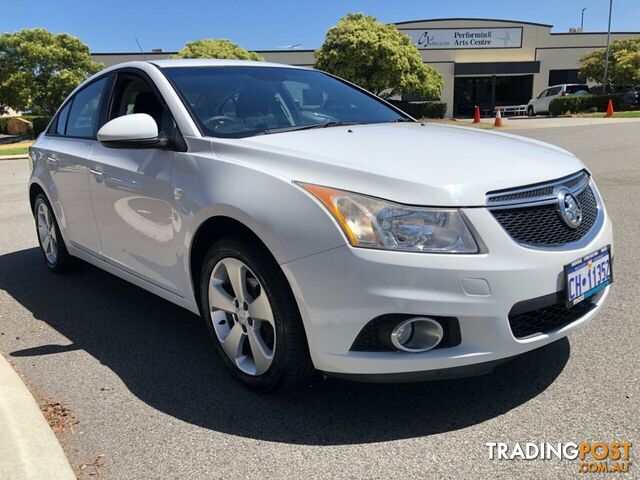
x=473 y=20
x=214 y=62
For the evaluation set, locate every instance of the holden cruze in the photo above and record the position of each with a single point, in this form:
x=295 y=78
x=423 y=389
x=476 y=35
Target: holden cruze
x=314 y=226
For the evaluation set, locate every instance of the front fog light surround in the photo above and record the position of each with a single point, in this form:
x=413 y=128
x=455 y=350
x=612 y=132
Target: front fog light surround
x=424 y=334
x=370 y=222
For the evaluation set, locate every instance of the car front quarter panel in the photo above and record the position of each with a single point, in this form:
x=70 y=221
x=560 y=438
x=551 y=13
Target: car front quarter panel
x=285 y=218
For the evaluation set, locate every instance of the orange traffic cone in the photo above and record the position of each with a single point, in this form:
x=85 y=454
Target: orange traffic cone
x=476 y=115
x=498 y=122
x=609 y=108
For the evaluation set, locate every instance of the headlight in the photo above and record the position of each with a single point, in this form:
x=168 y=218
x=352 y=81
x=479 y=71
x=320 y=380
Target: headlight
x=374 y=223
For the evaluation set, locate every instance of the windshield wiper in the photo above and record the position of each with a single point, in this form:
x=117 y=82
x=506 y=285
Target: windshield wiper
x=294 y=128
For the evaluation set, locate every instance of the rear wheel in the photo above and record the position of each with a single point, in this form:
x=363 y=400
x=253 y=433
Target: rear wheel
x=530 y=111
x=252 y=317
x=49 y=237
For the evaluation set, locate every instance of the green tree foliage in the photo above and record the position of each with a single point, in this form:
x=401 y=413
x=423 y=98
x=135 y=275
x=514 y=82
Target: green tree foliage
x=624 y=63
x=213 y=48
x=377 y=57
x=39 y=69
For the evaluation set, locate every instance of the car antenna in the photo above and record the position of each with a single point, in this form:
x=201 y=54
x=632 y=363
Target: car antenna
x=141 y=51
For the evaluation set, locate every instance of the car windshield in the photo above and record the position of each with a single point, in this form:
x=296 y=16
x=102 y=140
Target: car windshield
x=239 y=101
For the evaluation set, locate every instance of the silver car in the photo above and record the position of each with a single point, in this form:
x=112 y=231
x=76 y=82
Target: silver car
x=315 y=226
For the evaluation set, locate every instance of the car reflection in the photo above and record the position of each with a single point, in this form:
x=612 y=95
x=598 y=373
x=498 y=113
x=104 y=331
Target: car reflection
x=150 y=217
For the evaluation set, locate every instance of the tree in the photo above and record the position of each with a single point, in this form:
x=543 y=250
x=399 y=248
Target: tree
x=377 y=57
x=39 y=69
x=624 y=63
x=214 y=48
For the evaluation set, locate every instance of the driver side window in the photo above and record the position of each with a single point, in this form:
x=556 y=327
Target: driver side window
x=132 y=94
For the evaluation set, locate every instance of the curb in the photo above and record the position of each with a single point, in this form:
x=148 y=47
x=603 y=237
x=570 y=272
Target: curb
x=30 y=449
x=14 y=157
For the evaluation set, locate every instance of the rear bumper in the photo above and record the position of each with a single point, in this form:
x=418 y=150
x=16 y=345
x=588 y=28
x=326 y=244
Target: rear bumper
x=340 y=290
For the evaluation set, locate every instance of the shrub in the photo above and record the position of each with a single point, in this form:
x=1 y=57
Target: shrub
x=422 y=109
x=39 y=122
x=584 y=103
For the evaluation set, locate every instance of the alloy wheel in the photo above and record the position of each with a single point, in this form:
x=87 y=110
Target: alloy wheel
x=242 y=316
x=47 y=233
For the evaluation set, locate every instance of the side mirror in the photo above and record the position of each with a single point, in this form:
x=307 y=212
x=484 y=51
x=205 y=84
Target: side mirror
x=137 y=130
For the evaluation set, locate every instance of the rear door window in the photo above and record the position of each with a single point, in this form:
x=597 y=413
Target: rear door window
x=571 y=89
x=83 y=116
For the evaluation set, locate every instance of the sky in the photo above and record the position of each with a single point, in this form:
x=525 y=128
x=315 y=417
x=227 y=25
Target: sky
x=113 y=25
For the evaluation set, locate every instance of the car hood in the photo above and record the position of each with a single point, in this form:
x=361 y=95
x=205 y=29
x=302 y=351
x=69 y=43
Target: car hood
x=411 y=163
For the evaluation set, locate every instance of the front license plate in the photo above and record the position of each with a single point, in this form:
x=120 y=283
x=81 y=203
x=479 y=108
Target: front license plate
x=588 y=275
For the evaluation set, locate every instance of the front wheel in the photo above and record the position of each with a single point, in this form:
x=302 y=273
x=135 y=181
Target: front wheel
x=252 y=317
x=49 y=237
x=530 y=111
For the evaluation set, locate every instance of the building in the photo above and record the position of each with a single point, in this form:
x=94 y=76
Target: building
x=483 y=62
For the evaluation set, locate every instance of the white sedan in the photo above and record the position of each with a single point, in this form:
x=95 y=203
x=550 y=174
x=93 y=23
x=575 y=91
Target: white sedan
x=314 y=226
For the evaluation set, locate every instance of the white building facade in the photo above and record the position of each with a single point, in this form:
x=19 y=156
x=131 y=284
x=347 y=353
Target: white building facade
x=483 y=62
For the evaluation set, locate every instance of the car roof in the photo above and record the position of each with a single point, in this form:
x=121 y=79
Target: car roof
x=568 y=85
x=215 y=62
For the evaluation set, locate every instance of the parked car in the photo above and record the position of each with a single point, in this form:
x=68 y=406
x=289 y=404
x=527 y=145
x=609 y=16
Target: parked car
x=540 y=104
x=630 y=96
x=314 y=226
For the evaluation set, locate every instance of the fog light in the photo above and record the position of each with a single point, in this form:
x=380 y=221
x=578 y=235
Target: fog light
x=403 y=333
x=417 y=334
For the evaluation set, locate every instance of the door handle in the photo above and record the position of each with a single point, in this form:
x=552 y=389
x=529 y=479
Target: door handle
x=52 y=162
x=99 y=174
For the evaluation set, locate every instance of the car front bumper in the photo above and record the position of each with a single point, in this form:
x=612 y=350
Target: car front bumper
x=340 y=290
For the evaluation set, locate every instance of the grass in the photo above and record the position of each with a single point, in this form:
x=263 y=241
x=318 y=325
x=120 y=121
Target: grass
x=630 y=114
x=19 y=148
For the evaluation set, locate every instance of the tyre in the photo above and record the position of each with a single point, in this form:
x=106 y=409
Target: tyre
x=50 y=239
x=530 y=111
x=252 y=316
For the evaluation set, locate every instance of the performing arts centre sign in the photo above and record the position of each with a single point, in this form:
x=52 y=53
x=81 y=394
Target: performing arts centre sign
x=457 y=38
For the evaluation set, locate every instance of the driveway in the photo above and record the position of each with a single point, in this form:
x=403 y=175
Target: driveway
x=152 y=401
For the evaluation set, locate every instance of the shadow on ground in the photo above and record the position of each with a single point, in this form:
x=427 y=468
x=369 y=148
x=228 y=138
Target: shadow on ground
x=162 y=354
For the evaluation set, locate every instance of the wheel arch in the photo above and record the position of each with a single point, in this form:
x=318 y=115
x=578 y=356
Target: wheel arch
x=210 y=231
x=36 y=189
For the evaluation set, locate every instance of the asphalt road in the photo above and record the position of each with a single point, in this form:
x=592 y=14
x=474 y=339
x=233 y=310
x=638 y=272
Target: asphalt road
x=139 y=375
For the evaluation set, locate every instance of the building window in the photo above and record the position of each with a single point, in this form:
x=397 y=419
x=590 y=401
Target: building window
x=558 y=77
x=490 y=92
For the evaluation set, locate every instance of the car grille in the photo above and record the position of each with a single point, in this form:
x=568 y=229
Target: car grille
x=548 y=318
x=534 y=192
x=538 y=192
x=530 y=216
x=543 y=226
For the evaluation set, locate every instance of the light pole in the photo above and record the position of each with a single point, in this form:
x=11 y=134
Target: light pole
x=582 y=19
x=606 y=56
